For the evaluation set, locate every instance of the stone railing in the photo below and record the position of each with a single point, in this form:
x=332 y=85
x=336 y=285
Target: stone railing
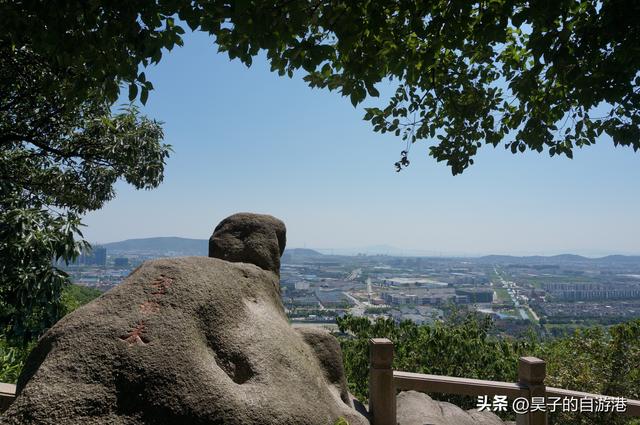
x=7 y=394
x=384 y=382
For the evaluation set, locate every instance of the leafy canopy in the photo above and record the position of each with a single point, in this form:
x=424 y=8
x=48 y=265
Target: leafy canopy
x=59 y=158
x=543 y=76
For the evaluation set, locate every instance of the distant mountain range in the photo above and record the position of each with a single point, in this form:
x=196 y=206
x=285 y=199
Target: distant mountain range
x=186 y=246
x=181 y=246
x=163 y=245
x=302 y=252
x=381 y=250
x=557 y=259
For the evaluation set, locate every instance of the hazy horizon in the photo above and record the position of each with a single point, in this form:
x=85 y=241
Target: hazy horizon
x=249 y=140
x=399 y=251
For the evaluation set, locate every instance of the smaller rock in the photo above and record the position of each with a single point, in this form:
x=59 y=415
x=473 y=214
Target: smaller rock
x=329 y=354
x=249 y=238
x=415 y=408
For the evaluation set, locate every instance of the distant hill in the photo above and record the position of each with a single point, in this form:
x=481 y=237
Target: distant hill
x=621 y=258
x=387 y=250
x=183 y=246
x=557 y=259
x=533 y=259
x=160 y=246
x=301 y=252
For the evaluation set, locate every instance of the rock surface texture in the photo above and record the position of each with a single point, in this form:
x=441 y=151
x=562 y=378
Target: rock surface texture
x=191 y=340
x=416 y=408
x=249 y=238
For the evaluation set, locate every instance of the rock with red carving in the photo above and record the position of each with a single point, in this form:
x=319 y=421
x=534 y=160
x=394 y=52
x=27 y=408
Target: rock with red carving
x=191 y=340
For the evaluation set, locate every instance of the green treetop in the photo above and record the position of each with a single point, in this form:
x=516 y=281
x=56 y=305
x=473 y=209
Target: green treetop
x=544 y=76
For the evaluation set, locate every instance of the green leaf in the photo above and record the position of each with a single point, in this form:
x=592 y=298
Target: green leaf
x=354 y=98
x=144 y=95
x=133 y=92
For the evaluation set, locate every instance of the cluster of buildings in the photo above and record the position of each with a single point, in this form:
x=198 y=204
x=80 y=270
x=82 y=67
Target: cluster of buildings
x=590 y=312
x=319 y=288
x=95 y=256
x=517 y=292
x=438 y=296
x=457 y=287
x=97 y=269
x=578 y=291
x=591 y=291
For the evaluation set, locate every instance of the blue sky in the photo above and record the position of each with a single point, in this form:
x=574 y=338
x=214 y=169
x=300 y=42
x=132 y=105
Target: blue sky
x=246 y=139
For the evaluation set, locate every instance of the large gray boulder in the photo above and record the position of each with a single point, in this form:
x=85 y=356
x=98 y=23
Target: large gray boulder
x=414 y=408
x=250 y=238
x=191 y=340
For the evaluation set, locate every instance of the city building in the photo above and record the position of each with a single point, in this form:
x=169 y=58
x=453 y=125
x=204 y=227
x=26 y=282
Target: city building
x=476 y=295
x=121 y=262
x=95 y=256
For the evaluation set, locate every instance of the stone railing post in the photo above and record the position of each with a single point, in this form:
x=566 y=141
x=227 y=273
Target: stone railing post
x=382 y=391
x=7 y=395
x=531 y=372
